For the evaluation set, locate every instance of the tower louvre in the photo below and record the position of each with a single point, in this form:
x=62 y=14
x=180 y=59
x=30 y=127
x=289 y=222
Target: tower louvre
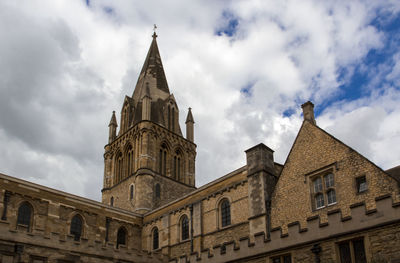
x=149 y=152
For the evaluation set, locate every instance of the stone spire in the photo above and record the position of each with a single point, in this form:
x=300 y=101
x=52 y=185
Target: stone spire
x=112 y=134
x=152 y=73
x=190 y=126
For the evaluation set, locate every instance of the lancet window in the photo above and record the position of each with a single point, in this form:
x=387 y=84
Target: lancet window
x=162 y=160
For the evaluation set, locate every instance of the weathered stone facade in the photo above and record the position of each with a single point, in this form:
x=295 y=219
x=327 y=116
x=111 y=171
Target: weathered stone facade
x=326 y=203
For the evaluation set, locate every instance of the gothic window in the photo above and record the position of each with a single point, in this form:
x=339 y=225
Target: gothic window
x=352 y=251
x=118 y=167
x=24 y=215
x=112 y=201
x=163 y=160
x=158 y=191
x=131 y=192
x=173 y=119
x=129 y=160
x=76 y=227
x=323 y=190
x=184 y=227
x=225 y=213
x=177 y=166
x=361 y=184
x=169 y=117
x=121 y=236
x=282 y=259
x=155 y=238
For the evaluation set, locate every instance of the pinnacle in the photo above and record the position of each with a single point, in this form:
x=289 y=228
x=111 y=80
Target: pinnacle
x=189 y=117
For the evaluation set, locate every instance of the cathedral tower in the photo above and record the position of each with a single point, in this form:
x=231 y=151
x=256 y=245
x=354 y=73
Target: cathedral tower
x=149 y=162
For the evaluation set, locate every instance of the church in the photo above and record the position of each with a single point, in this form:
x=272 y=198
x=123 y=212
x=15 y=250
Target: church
x=325 y=203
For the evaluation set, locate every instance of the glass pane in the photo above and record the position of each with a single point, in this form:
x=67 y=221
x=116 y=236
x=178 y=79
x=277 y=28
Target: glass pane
x=345 y=256
x=359 y=252
x=318 y=185
x=319 y=200
x=276 y=260
x=76 y=227
x=185 y=228
x=225 y=213
x=155 y=238
x=329 y=182
x=331 y=197
x=287 y=259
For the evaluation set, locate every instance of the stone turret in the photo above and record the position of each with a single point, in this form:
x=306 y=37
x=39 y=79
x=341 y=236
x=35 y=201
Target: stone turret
x=112 y=132
x=190 y=126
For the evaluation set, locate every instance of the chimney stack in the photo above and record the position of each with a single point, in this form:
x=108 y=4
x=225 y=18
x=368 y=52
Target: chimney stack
x=308 y=112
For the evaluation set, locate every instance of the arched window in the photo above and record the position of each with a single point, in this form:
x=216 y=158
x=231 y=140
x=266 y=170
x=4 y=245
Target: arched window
x=169 y=117
x=129 y=161
x=184 y=227
x=158 y=190
x=112 y=201
x=163 y=160
x=177 y=165
x=155 y=238
x=173 y=119
x=121 y=236
x=25 y=215
x=76 y=227
x=225 y=213
x=118 y=167
x=131 y=192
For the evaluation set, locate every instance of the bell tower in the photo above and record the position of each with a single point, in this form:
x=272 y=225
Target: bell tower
x=149 y=163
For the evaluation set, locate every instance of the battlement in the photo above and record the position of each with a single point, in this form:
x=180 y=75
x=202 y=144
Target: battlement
x=387 y=213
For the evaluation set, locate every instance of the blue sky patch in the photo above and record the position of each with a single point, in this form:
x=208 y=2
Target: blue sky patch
x=247 y=90
x=229 y=26
x=377 y=64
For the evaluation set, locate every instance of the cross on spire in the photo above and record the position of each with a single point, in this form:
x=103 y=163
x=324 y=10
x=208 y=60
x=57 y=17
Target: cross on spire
x=154 y=31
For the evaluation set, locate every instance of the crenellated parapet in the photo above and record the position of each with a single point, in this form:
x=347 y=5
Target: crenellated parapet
x=372 y=226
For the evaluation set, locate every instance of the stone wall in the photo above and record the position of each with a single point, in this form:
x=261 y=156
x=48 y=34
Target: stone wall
x=379 y=229
x=315 y=152
x=48 y=235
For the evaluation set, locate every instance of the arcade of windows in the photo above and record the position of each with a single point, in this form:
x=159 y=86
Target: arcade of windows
x=25 y=215
x=184 y=223
x=124 y=164
x=177 y=163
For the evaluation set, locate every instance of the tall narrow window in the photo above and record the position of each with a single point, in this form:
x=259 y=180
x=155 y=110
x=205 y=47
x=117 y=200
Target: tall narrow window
x=118 y=167
x=165 y=163
x=112 y=201
x=76 y=227
x=131 y=192
x=158 y=191
x=24 y=215
x=225 y=213
x=121 y=236
x=155 y=238
x=173 y=119
x=169 y=117
x=175 y=172
x=129 y=161
x=184 y=227
x=163 y=160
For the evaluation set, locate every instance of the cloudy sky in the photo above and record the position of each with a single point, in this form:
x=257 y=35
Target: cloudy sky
x=245 y=67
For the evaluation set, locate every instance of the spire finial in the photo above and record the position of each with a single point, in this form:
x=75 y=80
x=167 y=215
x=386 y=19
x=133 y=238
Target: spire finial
x=154 y=31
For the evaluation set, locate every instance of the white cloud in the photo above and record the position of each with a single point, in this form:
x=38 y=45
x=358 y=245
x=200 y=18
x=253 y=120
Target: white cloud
x=66 y=66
